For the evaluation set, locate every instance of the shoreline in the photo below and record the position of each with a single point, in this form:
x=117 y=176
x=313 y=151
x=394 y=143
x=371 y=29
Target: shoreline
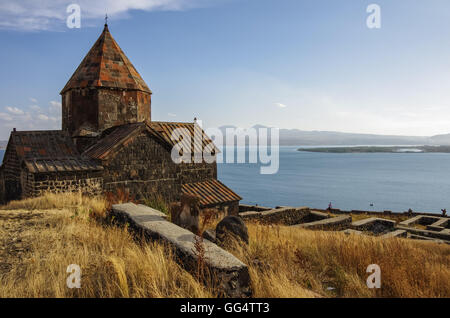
x=378 y=149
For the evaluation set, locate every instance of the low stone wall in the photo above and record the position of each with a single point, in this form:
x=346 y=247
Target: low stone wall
x=442 y=235
x=255 y=208
x=374 y=225
x=284 y=216
x=334 y=224
x=421 y=219
x=231 y=274
x=87 y=183
x=396 y=233
x=378 y=213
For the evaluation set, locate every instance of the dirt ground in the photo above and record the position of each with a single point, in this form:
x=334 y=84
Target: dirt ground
x=15 y=238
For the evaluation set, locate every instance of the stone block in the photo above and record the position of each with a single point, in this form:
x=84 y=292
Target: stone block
x=232 y=275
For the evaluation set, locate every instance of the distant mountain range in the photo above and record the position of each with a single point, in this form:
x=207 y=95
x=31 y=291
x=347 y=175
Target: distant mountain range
x=296 y=137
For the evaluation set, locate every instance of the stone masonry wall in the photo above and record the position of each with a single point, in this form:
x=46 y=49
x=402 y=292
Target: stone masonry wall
x=118 y=107
x=90 y=183
x=2 y=187
x=79 y=109
x=11 y=175
x=102 y=108
x=144 y=168
x=197 y=172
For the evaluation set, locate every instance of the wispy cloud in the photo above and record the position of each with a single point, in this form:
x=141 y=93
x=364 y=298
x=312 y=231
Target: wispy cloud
x=5 y=117
x=32 y=117
x=172 y=114
x=280 y=105
x=15 y=110
x=32 y=15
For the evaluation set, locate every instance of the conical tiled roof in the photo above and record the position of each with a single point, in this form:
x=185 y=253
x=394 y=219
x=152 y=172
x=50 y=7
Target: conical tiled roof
x=106 y=66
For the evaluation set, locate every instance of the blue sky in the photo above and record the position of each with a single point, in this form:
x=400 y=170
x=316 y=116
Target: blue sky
x=310 y=65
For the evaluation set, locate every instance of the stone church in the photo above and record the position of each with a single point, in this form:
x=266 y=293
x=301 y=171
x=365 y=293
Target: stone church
x=109 y=142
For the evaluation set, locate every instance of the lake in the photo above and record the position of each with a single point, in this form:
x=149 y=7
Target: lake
x=352 y=181
x=390 y=181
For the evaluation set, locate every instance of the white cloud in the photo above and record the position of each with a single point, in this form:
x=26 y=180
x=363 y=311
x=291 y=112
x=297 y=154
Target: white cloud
x=15 y=110
x=55 y=107
x=6 y=117
x=33 y=100
x=43 y=117
x=32 y=15
x=55 y=104
x=280 y=105
x=172 y=114
x=33 y=118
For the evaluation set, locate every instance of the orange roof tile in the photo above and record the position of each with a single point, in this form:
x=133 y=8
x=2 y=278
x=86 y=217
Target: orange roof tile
x=106 y=66
x=210 y=192
x=49 y=151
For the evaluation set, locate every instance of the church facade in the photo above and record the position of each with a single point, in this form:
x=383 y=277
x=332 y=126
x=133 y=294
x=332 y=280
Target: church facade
x=109 y=142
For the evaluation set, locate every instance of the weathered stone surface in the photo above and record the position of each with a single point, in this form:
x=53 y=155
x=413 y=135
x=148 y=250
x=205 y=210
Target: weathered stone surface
x=443 y=222
x=320 y=215
x=232 y=275
x=210 y=235
x=443 y=235
x=354 y=232
x=396 y=233
x=424 y=238
x=186 y=213
x=139 y=212
x=420 y=219
x=336 y=223
x=257 y=208
x=374 y=225
x=285 y=216
x=231 y=226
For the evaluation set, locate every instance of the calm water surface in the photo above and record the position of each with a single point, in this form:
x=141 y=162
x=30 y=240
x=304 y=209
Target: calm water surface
x=390 y=181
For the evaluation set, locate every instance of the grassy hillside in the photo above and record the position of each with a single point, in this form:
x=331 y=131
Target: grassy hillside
x=40 y=237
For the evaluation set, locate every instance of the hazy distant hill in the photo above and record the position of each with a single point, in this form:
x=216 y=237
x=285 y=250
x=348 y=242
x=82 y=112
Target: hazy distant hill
x=295 y=137
x=441 y=139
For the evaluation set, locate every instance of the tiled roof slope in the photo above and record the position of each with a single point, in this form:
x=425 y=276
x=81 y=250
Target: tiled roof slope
x=115 y=137
x=106 y=65
x=166 y=129
x=210 y=192
x=49 y=151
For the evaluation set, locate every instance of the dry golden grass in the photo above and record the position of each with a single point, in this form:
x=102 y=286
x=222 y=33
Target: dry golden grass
x=291 y=262
x=75 y=202
x=283 y=261
x=112 y=263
